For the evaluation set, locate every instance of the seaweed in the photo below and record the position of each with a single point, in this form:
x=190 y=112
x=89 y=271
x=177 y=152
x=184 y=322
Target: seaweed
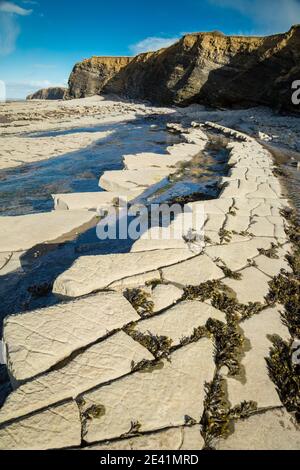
x=202 y=292
x=218 y=418
x=140 y=300
x=94 y=412
x=229 y=344
x=153 y=283
x=146 y=366
x=285 y=374
x=133 y=431
x=284 y=288
x=223 y=298
x=189 y=421
x=159 y=346
x=271 y=253
x=198 y=333
x=225 y=235
x=229 y=273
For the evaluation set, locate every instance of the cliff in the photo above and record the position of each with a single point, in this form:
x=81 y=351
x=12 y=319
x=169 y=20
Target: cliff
x=55 y=93
x=90 y=76
x=207 y=68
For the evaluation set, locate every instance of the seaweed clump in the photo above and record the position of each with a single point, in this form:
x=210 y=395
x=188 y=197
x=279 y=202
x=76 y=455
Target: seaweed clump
x=140 y=300
x=271 y=253
x=222 y=298
x=285 y=373
x=218 y=418
x=283 y=362
x=159 y=346
x=229 y=344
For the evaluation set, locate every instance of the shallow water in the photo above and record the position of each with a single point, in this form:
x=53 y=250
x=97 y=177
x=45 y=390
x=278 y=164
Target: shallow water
x=28 y=188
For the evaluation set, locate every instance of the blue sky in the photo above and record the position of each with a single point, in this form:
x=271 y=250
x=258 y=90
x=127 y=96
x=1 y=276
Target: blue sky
x=41 y=40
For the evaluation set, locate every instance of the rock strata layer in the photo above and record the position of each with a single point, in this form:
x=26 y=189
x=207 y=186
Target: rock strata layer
x=208 y=68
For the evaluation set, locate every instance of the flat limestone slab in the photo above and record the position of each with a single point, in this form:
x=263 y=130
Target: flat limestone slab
x=23 y=232
x=56 y=428
x=236 y=255
x=237 y=223
x=193 y=272
x=182 y=438
x=152 y=160
x=268 y=227
x=155 y=400
x=91 y=273
x=165 y=295
x=253 y=287
x=251 y=189
x=215 y=206
x=180 y=321
x=162 y=242
x=38 y=340
x=176 y=234
x=184 y=150
x=273 y=430
x=118 y=181
x=98 y=364
x=135 y=281
x=90 y=201
x=258 y=386
x=259 y=207
x=272 y=267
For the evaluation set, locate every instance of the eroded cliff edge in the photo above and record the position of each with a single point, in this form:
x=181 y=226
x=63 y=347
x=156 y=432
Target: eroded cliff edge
x=54 y=93
x=208 y=68
x=89 y=77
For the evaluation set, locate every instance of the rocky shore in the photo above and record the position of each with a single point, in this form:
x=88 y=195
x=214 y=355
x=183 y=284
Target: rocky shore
x=164 y=346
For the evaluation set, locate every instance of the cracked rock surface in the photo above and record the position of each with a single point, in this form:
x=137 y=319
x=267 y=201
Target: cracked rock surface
x=133 y=355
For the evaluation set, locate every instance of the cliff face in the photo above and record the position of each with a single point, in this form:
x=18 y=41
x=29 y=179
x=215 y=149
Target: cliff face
x=90 y=76
x=207 y=68
x=55 y=93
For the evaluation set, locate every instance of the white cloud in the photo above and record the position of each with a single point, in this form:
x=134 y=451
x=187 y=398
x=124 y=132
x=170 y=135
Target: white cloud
x=8 y=7
x=9 y=27
x=269 y=15
x=152 y=44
